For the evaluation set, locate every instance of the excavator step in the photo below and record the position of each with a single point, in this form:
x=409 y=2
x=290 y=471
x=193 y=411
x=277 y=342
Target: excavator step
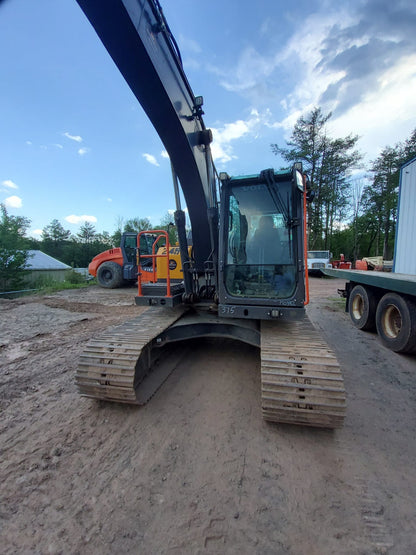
x=154 y=294
x=300 y=376
x=159 y=289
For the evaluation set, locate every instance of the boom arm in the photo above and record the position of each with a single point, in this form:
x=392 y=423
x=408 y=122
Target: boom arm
x=137 y=37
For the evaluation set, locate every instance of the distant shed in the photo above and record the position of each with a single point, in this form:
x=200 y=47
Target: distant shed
x=405 y=243
x=41 y=265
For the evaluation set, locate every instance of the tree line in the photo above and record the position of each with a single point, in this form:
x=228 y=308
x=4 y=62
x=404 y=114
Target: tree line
x=355 y=207
x=76 y=250
x=354 y=211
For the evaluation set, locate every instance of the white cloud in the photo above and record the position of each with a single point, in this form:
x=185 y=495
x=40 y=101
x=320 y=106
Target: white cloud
x=150 y=158
x=58 y=145
x=232 y=131
x=73 y=219
x=394 y=99
x=304 y=51
x=164 y=154
x=13 y=202
x=191 y=52
x=222 y=153
x=9 y=184
x=367 y=98
x=36 y=233
x=382 y=115
x=353 y=59
x=267 y=27
x=221 y=148
x=29 y=143
x=82 y=151
x=189 y=45
x=258 y=76
x=191 y=64
x=252 y=68
x=76 y=138
x=108 y=199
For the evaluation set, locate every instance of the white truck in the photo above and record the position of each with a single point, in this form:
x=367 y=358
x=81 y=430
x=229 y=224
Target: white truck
x=318 y=261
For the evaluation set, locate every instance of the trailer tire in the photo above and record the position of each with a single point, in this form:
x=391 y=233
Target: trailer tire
x=362 y=306
x=396 y=323
x=110 y=275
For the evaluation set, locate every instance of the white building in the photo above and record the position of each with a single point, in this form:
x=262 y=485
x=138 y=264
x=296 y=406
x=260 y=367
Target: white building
x=405 y=243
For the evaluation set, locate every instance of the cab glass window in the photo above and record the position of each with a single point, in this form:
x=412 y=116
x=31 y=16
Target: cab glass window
x=261 y=256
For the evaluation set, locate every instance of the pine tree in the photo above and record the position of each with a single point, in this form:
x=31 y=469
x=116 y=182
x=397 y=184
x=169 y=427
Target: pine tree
x=54 y=239
x=381 y=197
x=328 y=163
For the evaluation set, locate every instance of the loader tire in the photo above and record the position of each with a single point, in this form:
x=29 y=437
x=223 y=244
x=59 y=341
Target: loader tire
x=110 y=275
x=396 y=323
x=362 y=307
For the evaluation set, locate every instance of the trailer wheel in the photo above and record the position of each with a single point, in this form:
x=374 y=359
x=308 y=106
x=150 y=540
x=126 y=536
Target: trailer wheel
x=396 y=323
x=362 y=306
x=109 y=275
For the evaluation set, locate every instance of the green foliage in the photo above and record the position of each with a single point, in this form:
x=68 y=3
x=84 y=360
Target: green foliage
x=86 y=233
x=381 y=197
x=48 y=285
x=13 y=253
x=44 y=282
x=409 y=147
x=73 y=280
x=347 y=216
x=137 y=224
x=55 y=233
x=328 y=163
x=54 y=240
x=78 y=250
x=374 y=207
x=74 y=250
x=116 y=237
x=134 y=225
x=73 y=277
x=307 y=143
x=167 y=223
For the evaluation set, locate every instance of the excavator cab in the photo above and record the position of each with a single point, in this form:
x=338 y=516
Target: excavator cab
x=261 y=270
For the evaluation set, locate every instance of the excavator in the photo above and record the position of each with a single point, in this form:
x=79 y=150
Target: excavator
x=245 y=278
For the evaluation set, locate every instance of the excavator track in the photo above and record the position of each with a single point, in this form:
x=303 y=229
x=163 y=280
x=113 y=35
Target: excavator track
x=301 y=381
x=117 y=365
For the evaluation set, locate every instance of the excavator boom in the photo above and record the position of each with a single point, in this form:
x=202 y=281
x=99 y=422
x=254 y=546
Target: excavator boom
x=138 y=39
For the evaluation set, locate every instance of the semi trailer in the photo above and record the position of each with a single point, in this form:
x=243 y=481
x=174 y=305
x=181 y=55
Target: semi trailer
x=386 y=301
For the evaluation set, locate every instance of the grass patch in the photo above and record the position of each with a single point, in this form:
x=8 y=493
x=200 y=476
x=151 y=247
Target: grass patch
x=62 y=285
x=73 y=280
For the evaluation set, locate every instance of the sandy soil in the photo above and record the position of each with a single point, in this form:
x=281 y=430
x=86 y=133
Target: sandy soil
x=197 y=470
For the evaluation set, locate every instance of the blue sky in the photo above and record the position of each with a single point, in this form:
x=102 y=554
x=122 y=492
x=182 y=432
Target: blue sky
x=75 y=144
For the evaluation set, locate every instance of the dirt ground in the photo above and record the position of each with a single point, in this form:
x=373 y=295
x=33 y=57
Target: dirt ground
x=197 y=470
